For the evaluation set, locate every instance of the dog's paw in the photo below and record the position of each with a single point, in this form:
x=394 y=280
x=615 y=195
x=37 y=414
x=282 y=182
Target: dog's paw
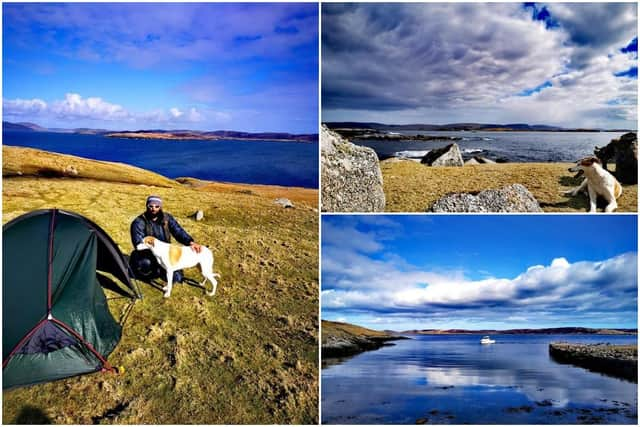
x=165 y=288
x=167 y=294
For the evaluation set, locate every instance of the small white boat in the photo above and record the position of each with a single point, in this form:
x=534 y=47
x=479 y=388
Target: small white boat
x=487 y=340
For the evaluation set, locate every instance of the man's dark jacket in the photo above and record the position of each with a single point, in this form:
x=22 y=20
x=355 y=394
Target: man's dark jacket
x=141 y=226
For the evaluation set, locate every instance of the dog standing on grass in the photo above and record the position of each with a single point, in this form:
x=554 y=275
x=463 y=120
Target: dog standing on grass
x=175 y=257
x=597 y=181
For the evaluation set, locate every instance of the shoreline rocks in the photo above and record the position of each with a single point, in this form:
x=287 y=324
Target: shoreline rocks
x=616 y=360
x=445 y=156
x=349 y=346
x=351 y=176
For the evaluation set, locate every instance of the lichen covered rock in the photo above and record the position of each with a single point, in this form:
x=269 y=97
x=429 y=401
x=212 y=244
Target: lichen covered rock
x=512 y=198
x=351 y=176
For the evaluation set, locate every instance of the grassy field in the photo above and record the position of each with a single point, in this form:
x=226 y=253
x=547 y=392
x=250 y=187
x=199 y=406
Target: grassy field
x=412 y=187
x=247 y=355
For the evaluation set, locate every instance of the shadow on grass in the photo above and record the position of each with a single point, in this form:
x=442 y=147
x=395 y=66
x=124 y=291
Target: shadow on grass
x=570 y=181
x=159 y=284
x=32 y=415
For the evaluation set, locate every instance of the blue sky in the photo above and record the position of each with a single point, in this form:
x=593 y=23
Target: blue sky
x=250 y=67
x=563 y=64
x=483 y=271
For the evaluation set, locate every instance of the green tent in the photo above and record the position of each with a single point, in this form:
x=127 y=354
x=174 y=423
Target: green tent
x=56 y=322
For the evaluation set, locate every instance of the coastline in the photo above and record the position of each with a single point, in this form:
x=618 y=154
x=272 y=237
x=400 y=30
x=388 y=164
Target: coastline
x=18 y=161
x=620 y=361
x=343 y=340
x=174 y=137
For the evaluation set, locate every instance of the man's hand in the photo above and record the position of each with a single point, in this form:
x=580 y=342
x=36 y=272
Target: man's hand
x=196 y=247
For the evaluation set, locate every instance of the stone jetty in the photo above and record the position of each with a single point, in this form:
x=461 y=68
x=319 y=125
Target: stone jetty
x=616 y=360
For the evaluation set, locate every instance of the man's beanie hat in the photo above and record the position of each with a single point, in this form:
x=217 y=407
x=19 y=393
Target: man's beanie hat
x=154 y=200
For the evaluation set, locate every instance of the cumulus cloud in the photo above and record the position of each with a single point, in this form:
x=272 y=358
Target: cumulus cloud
x=561 y=282
x=24 y=107
x=95 y=111
x=74 y=107
x=407 y=62
x=358 y=279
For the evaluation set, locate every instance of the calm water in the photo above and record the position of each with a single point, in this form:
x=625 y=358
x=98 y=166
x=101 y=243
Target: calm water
x=513 y=146
x=259 y=162
x=453 y=379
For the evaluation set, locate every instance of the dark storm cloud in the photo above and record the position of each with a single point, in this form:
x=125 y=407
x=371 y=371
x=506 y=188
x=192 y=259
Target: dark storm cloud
x=404 y=59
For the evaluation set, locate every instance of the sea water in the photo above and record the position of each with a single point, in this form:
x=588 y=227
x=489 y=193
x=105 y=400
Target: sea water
x=252 y=162
x=453 y=379
x=510 y=146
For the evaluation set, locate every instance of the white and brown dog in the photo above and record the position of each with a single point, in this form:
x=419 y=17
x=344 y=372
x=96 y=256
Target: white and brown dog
x=597 y=181
x=175 y=257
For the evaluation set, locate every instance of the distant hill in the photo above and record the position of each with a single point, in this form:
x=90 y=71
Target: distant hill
x=26 y=127
x=168 y=134
x=485 y=127
x=550 y=331
x=344 y=339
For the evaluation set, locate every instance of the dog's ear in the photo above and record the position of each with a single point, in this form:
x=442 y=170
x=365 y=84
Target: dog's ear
x=150 y=240
x=588 y=161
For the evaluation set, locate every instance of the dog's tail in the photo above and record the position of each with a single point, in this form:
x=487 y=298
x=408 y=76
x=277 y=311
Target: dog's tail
x=617 y=190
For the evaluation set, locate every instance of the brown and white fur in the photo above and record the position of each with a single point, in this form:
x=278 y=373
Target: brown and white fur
x=597 y=182
x=175 y=257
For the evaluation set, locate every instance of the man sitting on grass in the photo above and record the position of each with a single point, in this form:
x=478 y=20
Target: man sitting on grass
x=161 y=225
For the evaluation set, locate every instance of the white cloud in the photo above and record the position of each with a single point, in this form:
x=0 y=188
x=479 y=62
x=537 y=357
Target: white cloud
x=24 y=107
x=359 y=278
x=77 y=111
x=75 y=107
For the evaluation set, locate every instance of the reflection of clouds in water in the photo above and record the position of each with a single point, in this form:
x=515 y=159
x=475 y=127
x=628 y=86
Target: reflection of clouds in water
x=397 y=383
x=558 y=385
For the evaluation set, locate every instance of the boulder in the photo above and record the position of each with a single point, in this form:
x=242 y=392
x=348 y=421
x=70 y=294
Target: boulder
x=624 y=152
x=479 y=160
x=483 y=160
x=285 y=203
x=351 y=176
x=445 y=156
x=70 y=170
x=472 y=161
x=197 y=215
x=512 y=198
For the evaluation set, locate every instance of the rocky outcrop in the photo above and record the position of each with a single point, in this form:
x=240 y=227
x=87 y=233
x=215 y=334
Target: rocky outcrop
x=285 y=203
x=512 y=198
x=351 y=176
x=445 y=156
x=617 y=360
x=348 y=346
x=624 y=152
x=471 y=161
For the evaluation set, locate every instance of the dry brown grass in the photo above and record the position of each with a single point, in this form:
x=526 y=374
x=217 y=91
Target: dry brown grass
x=249 y=355
x=412 y=187
x=306 y=196
x=21 y=161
